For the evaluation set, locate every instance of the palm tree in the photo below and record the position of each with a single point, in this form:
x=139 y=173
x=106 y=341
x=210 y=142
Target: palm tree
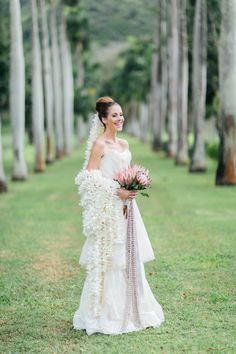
x=68 y=87
x=17 y=92
x=48 y=83
x=37 y=93
x=77 y=30
x=144 y=121
x=182 y=145
x=199 y=85
x=79 y=64
x=57 y=81
x=132 y=126
x=226 y=170
x=3 y=183
x=156 y=86
x=173 y=79
x=164 y=65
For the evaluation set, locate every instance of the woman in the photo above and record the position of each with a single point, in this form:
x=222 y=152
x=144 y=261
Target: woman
x=114 y=300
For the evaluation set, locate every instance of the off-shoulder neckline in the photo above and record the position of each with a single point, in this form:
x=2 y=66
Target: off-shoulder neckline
x=114 y=150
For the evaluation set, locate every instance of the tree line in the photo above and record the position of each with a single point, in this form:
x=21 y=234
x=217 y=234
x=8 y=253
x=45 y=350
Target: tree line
x=168 y=83
x=56 y=37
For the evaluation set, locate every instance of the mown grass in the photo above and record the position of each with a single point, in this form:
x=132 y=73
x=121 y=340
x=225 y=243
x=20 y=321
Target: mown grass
x=192 y=227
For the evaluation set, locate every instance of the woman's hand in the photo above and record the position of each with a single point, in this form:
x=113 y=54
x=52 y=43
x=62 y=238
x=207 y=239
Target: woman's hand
x=124 y=194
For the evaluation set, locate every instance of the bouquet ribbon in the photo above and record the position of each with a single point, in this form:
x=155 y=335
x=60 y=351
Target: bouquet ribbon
x=125 y=211
x=132 y=268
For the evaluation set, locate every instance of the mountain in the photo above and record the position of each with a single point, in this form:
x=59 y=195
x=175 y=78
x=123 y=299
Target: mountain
x=113 y=20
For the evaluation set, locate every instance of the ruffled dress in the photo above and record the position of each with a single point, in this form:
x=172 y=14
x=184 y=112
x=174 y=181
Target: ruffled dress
x=117 y=315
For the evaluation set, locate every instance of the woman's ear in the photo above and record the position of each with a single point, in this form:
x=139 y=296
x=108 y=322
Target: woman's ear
x=104 y=120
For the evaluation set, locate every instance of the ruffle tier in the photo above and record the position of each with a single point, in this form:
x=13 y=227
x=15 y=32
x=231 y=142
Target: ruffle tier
x=112 y=315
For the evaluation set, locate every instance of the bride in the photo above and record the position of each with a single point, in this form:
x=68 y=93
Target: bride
x=113 y=300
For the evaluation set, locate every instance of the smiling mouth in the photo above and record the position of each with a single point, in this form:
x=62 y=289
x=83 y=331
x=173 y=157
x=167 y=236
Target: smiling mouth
x=119 y=124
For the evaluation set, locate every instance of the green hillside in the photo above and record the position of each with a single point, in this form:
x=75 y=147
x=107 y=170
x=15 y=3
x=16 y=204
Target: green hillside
x=114 y=20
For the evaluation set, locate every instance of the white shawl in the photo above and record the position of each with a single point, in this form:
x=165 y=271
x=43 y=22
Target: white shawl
x=103 y=222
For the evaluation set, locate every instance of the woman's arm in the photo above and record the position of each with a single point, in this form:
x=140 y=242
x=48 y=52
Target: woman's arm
x=95 y=156
x=94 y=163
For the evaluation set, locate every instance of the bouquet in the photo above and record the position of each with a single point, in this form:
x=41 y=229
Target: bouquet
x=134 y=177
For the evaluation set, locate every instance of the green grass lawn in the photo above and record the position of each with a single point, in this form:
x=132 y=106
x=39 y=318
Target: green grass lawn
x=192 y=227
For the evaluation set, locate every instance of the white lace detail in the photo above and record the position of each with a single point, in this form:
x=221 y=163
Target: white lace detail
x=96 y=129
x=102 y=222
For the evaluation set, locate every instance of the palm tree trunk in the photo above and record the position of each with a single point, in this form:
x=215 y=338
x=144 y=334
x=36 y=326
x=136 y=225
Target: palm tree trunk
x=173 y=80
x=132 y=126
x=48 y=83
x=68 y=87
x=3 y=183
x=81 y=130
x=57 y=82
x=17 y=92
x=199 y=85
x=182 y=146
x=143 y=120
x=79 y=84
x=79 y=64
x=164 y=65
x=156 y=87
x=37 y=93
x=226 y=170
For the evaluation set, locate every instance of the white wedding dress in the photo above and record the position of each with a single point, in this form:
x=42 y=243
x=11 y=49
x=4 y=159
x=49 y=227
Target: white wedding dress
x=113 y=317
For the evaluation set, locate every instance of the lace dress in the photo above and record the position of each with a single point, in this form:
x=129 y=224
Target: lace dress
x=121 y=312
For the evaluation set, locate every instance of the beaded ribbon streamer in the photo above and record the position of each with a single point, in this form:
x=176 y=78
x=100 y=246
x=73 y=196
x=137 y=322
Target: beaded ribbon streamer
x=132 y=296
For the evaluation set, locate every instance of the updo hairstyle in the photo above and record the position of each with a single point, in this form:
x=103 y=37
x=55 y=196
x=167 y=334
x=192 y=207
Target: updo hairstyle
x=102 y=107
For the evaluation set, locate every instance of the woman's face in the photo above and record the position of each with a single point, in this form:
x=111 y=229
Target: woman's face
x=115 y=118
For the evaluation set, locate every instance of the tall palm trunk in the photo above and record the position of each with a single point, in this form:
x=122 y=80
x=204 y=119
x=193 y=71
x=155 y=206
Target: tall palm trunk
x=48 y=83
x=199 y=85
x=132 y=126
x=57 y=81
x=164 y=65
x=182 y=146
x=144 y=121
x=37 y=93
x=156 y=87
x=173 y=80
x=17 y=92
x=68 y=87
x=226 y=171
x=79 y=64
x=3 y=183
x=81 y=130
x=79 y=84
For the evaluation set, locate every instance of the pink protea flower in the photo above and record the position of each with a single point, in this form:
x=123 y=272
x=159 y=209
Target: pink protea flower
x=142 y=178
x=134 y=177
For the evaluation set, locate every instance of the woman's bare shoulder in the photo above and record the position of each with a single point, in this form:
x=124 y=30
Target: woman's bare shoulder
x=96 y=154
x=99 y=144
x=124 y=143
x=98 y=147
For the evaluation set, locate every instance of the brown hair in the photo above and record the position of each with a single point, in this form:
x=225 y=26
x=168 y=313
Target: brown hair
x=102 y=106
